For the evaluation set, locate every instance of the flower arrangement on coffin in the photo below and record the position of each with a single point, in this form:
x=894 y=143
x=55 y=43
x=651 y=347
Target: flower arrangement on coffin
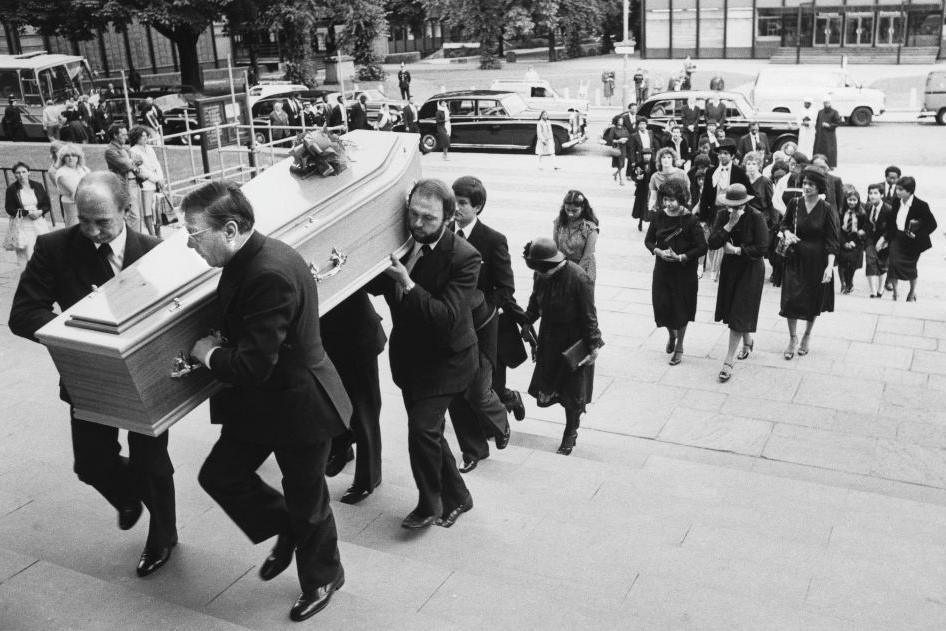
x=318 y=152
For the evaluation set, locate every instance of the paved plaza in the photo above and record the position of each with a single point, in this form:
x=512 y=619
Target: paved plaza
x=808 y=494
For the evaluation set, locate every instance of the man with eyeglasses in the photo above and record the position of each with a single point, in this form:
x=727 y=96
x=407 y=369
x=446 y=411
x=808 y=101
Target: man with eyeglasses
x=67 y=265
x=433 y=349
x=284 y=396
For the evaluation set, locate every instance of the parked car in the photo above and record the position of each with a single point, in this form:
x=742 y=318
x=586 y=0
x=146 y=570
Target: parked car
x=934 y=97
x=180 y=112
x=785 y=89
x=661 y=108
x=375 y=99
x=261 y=110
x=541 y=94
x=490 y=119
x=270 y=88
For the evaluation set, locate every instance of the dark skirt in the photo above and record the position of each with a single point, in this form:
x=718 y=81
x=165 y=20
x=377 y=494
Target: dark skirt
x=901 y=262
x=641 y=195
x=443 y=139
x=552 y=381
x=618 y=161
x=673 y=293
x=876 y=263
x=804 y=296
x=851 y=259
x=740 y=292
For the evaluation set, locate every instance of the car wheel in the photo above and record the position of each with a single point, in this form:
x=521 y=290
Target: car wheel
x=428 y=142
x=861 y=117
x=784 y=140
x=261 y=138
x=941 y=117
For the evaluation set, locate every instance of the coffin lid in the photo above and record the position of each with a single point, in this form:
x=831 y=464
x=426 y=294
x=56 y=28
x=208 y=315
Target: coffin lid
x=280 y=201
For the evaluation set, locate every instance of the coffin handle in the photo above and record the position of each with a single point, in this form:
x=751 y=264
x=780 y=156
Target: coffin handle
x=338 y=261
x=184 y=365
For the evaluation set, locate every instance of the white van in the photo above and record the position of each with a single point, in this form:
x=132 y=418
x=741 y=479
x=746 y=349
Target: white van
x=784 y=90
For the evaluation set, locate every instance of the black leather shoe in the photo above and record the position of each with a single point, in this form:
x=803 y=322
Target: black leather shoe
x=279 y=559
x=337 y=462
x=451 y=518
x=417 y=520
x=153 y=558
x=469 y=462
x=355 y=494
x=128 y=516
x=516 y=406
x=502 y=441
x=312 y=602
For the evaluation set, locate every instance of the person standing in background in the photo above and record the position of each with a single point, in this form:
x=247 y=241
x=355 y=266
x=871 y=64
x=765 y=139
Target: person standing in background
x=826 y=138
x=404 y=82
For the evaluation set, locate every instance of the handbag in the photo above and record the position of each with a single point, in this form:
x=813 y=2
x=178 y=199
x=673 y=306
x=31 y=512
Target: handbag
x=782 y=248
x=575 y=353
x=12 y=240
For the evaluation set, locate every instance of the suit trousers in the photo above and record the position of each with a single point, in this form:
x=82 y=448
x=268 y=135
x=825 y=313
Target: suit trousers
x=439 y=483
x=479 y=413
x=405 y=91
x=362 y=384
x=260 y=511
x=146 y=474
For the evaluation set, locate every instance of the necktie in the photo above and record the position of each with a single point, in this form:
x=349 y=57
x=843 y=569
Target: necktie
x=105 y=251
x=755 y=144
x=409 y=266
x=461 y=233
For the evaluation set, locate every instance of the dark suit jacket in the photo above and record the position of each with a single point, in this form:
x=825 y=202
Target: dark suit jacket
x=920 y=211
x=708 y=200
x=283 y=387
x=409 y=117
x=744 y=146
x=834 y=193
x=62 y=270
x=715 y=113
x=335 y=115
x=635 y=150
x=358 y=117
x=684 y=151
x=352 y=332
x=496 y=280
x=433 y=347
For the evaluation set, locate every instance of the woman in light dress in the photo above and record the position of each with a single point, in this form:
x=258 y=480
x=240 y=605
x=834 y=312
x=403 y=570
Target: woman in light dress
x=150 y=176
x=70 y=169
x=545 y=140
x=27 y=204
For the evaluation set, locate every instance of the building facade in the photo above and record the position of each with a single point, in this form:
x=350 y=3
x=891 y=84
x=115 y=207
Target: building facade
x=868 y=29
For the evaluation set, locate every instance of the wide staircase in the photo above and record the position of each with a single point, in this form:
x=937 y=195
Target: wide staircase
x=801 y=495
x=880 y=55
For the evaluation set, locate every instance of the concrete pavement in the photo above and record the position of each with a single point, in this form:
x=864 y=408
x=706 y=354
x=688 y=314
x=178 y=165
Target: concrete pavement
x=808 y=494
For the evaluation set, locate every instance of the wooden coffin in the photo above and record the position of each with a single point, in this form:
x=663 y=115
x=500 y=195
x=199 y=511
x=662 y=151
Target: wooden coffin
x=116 y=348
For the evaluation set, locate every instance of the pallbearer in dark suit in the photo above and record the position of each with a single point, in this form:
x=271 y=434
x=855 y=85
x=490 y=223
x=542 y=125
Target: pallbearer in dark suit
x=283 y=395
x=433 y=351
x=353 y=339
x=67 y=265
x=480 y=412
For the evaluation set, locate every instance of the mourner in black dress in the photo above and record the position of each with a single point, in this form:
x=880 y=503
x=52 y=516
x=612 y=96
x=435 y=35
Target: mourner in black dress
x=853 y=235
x=563 y=297
x=740 y=232
x=907 y=229
x=875 y=261
x=810 y=228
x=676 y=240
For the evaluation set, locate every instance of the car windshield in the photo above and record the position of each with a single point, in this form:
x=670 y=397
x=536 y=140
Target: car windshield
x=170 y=102
x=742 y=104
x=514 y=104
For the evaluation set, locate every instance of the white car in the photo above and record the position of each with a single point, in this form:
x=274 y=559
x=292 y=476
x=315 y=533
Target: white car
x=540 y=94
x=785 y=89
x=268 y=88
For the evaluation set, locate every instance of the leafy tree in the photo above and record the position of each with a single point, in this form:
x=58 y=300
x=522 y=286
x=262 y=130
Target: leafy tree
x=297 y=20
x=181 y=21
x=363 y=21
x=481 y=20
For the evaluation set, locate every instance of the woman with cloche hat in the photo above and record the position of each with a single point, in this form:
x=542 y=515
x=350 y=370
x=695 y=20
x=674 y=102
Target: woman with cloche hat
x=741 y=233
x=563 y=297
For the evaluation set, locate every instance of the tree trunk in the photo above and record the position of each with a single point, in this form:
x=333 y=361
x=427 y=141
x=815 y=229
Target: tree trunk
x=185 y=40
x=251 y=37
x=552 y=44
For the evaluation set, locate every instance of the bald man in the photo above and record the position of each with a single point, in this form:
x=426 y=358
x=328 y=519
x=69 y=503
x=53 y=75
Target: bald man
x=65 y=266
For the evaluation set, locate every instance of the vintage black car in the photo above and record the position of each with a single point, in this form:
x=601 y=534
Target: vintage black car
x=263 y=107
x=659 y=109
x=179 y=110
x=493 y=119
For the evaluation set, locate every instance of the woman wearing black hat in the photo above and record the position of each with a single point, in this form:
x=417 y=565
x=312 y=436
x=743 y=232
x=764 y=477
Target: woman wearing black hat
x=563 y=297
x=811 y=230
x=741 y=233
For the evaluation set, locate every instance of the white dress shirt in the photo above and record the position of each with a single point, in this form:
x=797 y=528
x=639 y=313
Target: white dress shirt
x=903 y=212
x=117 y=257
